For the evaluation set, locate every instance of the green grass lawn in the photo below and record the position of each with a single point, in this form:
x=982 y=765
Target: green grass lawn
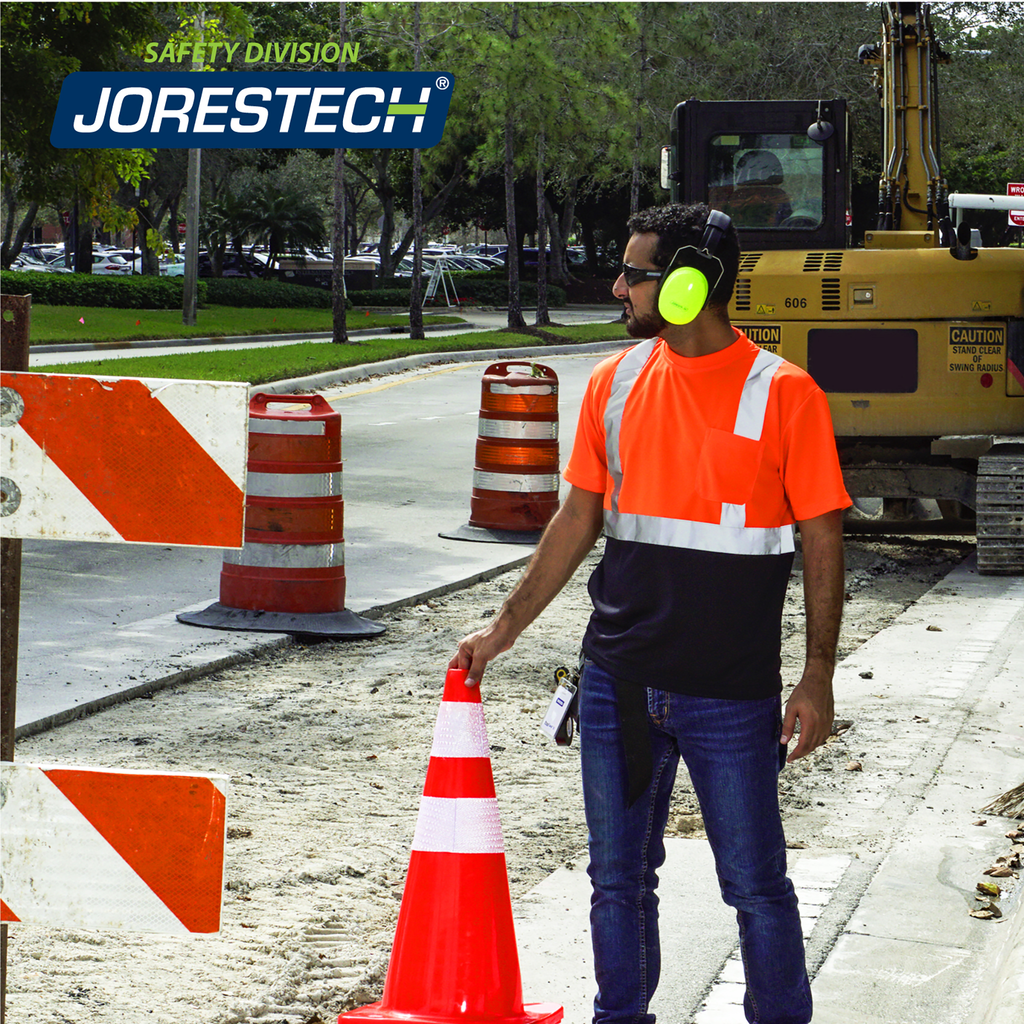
x=61 y=324
x=283 y=362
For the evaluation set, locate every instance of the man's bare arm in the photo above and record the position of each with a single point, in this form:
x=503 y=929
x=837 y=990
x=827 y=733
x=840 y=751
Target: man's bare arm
x=811 y=701
x=564 y=544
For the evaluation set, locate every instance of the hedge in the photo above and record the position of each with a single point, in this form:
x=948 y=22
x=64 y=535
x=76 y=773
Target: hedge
x=266 y=294
x=145 y=292
x=380 y=297
x=477 y=288
x=136 y=292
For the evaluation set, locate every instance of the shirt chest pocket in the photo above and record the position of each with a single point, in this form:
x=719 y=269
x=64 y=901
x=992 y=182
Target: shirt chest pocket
x=728 y=467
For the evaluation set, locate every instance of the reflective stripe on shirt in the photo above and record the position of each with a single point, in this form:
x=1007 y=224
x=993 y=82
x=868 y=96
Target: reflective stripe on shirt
x=686 y=533
x=625 y=377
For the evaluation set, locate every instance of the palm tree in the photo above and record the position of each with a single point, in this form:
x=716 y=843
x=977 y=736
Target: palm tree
x=282 y=222
x=226 y=220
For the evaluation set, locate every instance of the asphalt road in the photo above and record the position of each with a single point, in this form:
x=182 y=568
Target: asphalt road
x=98 y=620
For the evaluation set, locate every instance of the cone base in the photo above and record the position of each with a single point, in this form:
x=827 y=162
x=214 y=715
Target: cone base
x=336 y=625
x=486 y=535
x=377 y=1013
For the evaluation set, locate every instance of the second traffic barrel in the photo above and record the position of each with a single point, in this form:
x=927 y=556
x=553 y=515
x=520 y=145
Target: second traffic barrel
x=515 y=470
x=289 y=576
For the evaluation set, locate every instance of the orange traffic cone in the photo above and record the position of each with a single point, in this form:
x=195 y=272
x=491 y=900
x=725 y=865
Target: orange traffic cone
x=454 y=957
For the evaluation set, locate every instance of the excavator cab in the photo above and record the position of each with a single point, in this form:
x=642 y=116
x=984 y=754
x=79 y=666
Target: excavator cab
x=779 y=169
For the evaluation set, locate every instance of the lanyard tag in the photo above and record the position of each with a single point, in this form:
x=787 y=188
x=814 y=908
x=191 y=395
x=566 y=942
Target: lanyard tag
x=558 y=723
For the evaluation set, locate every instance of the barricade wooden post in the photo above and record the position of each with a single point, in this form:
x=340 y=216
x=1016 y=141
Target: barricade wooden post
x=16 y=313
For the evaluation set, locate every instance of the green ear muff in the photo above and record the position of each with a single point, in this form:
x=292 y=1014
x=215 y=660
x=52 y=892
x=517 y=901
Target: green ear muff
x=682 y=295
x=693 y=274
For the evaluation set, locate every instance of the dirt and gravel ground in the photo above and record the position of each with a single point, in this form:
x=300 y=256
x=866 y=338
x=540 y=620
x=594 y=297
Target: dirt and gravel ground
x=326 y=747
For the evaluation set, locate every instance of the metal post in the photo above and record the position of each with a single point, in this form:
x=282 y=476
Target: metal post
x=14 y=334
x=191 y=285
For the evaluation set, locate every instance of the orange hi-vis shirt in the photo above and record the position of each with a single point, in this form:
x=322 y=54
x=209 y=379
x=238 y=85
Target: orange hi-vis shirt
x=705 y=465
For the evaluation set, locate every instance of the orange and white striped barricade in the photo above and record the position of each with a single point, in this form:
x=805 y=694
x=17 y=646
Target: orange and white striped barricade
x=106 y=849
x=515 y=471
x=289 y=577
x=454 y=956
x=123 y=460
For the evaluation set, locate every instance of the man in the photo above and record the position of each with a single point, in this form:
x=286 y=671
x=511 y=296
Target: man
x=697 y=453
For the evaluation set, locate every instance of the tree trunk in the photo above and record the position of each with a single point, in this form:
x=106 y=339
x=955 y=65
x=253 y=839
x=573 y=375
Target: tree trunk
x=386 y=195
x=12 y=247
x=172 y=220
x=416 y=281
x=150 y=263
x=542 y=317
x=83 y=241
x=560 y=227
x=515 y=309
x=339 y=320
x=432 y=209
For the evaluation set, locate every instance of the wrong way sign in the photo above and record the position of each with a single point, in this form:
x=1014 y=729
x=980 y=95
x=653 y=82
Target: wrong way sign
x=1016 y=217
x=123 y=460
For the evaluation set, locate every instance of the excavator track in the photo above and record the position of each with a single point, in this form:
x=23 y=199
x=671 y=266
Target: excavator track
x=1000 y=513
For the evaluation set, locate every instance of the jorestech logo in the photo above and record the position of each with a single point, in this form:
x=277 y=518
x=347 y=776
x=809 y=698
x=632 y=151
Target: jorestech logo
x=249 y=110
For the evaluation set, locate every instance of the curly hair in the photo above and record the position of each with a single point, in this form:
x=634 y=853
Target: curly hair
x=677 y=225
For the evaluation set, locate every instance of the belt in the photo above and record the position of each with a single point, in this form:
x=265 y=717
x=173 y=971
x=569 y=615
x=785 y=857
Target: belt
x=631 y=703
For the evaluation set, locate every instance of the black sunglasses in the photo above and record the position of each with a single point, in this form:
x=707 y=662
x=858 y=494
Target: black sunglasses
x=637 y=275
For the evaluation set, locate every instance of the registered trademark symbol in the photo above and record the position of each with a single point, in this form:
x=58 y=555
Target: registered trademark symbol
x=442 y=83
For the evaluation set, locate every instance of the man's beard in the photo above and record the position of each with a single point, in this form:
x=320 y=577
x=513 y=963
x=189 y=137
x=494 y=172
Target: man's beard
x=644 y=325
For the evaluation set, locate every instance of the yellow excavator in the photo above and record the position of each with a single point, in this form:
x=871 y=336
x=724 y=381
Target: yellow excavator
x=918 y=336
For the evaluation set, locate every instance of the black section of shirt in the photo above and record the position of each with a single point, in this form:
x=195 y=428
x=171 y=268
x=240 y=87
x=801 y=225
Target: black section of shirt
x=695 y=622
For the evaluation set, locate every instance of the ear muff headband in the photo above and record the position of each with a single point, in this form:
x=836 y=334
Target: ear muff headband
x=693 y=274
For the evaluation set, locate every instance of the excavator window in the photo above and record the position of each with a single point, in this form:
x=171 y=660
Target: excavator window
x=771 y=181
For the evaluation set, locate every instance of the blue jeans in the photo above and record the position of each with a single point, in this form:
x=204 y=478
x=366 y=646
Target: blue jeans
x=732 y=751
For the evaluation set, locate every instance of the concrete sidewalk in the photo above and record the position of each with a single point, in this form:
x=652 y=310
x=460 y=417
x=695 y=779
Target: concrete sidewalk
x=886 y=890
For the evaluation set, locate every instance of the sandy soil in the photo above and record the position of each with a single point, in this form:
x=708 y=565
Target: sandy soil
x=327 y=748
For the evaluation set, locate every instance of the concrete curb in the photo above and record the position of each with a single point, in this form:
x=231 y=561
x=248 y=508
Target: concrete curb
x=1003 y=1003
x=247 y=646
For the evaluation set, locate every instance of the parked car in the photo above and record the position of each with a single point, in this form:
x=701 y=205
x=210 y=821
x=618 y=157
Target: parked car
x=233 y=265
x=172 y=265
x=486 y=250
x=131 y=256
x=488 y=262
x=28 y=262
x=104 y=263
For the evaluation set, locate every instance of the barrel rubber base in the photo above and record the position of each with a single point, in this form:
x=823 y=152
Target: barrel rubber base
x=484 y=535
x=327 y=625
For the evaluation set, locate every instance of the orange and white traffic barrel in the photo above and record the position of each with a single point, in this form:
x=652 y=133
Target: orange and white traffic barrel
x=515 y=472
x=289 y=575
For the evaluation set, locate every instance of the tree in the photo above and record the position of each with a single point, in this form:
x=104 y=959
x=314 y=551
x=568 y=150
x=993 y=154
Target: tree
x=338 y=298
x=40 y=44
x=982 y=85
x=543 y=76
x=284 y=222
